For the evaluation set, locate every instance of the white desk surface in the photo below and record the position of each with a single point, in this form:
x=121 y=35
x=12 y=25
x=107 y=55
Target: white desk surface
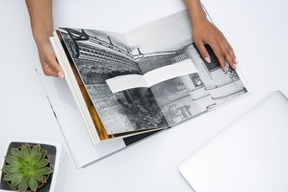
x=256 y=29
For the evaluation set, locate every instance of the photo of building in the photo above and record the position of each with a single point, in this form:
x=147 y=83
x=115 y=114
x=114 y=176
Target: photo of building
x=99 y=56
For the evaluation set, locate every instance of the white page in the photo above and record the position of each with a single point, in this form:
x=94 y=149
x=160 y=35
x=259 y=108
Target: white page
x=151 y=78
x=177 y=69
x=125 y=82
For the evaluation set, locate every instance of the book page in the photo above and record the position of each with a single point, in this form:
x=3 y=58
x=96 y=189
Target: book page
x=98 y=56
x=169 y=40
x=125 y=82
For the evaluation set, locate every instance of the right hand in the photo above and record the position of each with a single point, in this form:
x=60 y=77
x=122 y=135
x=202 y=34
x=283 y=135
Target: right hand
x=48 y=60
x=205 y=32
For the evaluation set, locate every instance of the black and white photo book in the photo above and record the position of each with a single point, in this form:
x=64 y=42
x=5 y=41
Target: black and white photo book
x=146 y=79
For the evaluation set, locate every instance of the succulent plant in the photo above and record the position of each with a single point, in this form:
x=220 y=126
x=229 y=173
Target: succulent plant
x=26 y=168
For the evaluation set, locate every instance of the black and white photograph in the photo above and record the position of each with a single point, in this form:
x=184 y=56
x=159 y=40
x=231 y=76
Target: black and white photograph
x=97 y=57
x=100 y=56
x=169 y=41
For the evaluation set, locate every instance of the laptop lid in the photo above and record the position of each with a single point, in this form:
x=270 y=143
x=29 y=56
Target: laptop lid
x=250 y=155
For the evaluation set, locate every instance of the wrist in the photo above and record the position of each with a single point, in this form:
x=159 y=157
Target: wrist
x=196 y=11
x=199 y=19
x=41 y=38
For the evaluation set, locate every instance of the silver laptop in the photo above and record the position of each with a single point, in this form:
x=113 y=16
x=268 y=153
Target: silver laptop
x=251 y=155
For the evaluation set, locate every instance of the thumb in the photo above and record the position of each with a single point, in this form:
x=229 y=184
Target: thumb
x=58 y=71
x=203 y=51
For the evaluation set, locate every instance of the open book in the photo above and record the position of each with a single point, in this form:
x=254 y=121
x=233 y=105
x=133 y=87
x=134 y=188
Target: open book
x=149 y=78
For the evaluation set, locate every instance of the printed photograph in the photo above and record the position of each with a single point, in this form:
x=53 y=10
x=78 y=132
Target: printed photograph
x=187 y=96
x=168 y=41
x=100 y=55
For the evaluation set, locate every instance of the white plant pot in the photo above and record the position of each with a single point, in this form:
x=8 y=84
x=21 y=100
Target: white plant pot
x=54 y=152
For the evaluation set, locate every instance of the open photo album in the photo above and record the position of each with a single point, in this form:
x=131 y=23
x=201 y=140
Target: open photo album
x=147 y=79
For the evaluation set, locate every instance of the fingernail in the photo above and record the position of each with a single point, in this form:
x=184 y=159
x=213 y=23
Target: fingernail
x=207 y=59
x=60 y=75
x=234 y=66
x=225 y=69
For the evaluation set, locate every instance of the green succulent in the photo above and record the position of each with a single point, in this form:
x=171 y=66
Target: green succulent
x=26 y=168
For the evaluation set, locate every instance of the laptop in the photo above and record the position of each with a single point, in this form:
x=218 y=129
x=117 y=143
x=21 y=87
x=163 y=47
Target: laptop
x=251 y=155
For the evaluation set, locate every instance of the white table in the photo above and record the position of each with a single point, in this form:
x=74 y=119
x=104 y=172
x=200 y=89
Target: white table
x=256 y=29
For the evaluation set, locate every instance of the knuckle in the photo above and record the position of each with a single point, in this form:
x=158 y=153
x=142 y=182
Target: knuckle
x=225 y=52
x=230 y=49
x=44 y=60
x=213 y=42
x=221 y=61
x=50 y=58
x=230 y=60
x=197 y=42
x=222 y=64
x=46 y=73
x=203 y=50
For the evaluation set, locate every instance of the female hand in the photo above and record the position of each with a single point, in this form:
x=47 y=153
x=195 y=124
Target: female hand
x=204 y=32
x=48 y=60
x=42 y=27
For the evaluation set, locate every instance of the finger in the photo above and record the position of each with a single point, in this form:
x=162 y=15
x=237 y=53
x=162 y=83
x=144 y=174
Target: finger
x=48 y=71
x=56 y=68
x=203 y=52
x=217 y=50
x=232 y=52
x=228 y=54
